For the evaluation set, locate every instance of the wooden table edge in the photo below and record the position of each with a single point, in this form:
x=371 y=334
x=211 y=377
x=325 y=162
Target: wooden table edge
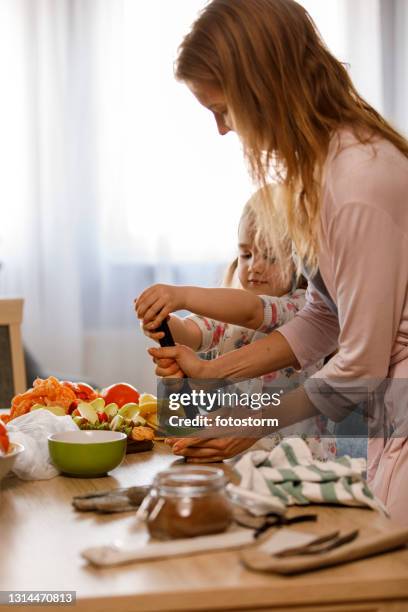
x=240 y=598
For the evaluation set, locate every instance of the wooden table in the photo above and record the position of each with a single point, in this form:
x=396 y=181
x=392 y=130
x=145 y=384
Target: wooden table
x=41 y=537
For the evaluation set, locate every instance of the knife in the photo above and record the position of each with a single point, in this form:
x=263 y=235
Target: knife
x=168 y=338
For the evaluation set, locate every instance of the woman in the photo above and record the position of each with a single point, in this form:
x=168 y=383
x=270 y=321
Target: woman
x=260 y=67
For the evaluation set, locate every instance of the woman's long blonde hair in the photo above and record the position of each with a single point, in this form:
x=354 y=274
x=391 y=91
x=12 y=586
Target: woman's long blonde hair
x=287 y=95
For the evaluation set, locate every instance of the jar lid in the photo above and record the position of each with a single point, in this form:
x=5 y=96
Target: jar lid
x=190 y=480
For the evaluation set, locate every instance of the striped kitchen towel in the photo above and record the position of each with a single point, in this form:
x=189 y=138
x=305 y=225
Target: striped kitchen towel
x=293 y=477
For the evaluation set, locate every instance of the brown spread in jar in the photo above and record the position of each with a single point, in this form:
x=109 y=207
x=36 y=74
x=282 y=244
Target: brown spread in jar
x=188 y=501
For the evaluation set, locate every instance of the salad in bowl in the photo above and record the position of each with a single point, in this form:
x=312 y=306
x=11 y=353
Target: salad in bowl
x=119 y=408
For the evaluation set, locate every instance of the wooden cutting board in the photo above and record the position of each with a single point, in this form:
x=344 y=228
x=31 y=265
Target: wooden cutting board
x=139 y=447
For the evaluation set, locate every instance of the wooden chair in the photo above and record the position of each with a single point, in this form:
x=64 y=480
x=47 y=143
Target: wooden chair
x=12 y=367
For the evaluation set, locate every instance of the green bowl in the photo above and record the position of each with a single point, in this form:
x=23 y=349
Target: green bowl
x=87 y=453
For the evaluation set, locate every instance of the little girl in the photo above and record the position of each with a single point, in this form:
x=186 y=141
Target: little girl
x=227 y=318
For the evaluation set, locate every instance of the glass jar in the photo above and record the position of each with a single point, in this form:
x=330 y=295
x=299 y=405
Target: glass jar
x=187 y=501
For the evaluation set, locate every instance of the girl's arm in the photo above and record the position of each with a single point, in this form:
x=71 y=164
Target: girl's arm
x=233 y=306
x=280 y=310
x=185 y=331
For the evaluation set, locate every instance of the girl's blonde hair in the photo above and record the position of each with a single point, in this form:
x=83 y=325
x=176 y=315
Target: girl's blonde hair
x=267 y=229
x=287 y=95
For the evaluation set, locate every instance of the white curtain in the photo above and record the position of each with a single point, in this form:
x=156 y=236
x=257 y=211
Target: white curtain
x=371 y=37
x=40 y=179
x=113 y=177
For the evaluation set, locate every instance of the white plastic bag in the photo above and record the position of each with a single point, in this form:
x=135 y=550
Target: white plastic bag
x=32 y=431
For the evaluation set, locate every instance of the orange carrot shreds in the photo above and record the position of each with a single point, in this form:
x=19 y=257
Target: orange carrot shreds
x=48 y=392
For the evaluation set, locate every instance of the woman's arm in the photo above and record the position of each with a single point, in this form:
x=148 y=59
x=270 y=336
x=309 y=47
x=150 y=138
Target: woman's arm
x=314 y=332
x=225 y=443
x=266 y=355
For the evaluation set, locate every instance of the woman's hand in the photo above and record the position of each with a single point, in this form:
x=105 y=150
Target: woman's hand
x=155 y=304
x=199 y=450
x=179 y=361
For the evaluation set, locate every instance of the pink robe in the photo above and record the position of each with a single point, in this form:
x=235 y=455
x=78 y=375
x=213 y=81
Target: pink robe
x=363 y=261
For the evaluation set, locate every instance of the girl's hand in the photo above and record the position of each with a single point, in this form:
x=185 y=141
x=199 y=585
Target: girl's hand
x=199 y=450
x=178 y=361
x=154 y=335
x=155 y=304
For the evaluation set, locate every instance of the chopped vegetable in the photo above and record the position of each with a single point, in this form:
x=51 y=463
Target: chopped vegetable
x=4 y=440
